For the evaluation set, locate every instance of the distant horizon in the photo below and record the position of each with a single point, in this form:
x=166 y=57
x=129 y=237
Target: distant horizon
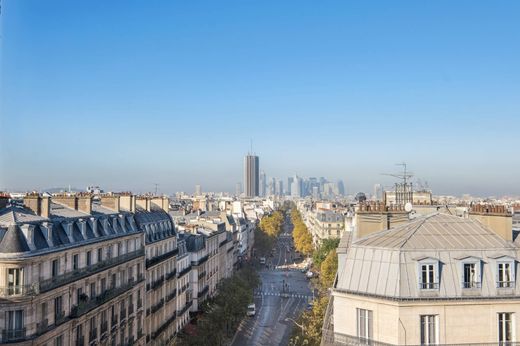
x=129 y=95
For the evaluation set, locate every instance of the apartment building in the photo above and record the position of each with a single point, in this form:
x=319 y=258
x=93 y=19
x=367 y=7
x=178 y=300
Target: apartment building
x=71 y=273
x=195 y=244
x=184 y=291
x=161 y=268
x=435 y=280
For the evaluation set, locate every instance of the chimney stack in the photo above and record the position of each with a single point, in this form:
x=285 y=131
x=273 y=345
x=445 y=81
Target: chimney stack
x=84 y=203
x=127 y=202
x=66 y=200
x=143 y=202
x=111 y=201
x=45 y=206
x=162 y=202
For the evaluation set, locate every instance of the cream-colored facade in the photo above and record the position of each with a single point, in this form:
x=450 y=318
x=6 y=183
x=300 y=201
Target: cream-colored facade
x=70 y=277
x=438 y=279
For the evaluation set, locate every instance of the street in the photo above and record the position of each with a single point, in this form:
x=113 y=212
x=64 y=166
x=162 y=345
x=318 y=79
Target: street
x=284 y=293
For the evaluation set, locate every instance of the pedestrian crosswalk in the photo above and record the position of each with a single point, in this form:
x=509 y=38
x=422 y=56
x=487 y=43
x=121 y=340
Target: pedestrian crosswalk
x=259 y=294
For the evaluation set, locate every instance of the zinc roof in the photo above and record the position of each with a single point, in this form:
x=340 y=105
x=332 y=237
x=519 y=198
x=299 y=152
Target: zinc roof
x=437 y=231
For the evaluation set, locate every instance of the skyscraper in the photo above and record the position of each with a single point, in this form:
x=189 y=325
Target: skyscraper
x=251 y=175
x=263 y=184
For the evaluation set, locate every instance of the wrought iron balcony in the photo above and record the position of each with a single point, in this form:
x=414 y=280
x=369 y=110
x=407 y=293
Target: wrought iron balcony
x=92 y=336
x=123 y=315
x=204 y=291
x=157 y=283
x=42 y=326
x=505 y=284
x=10 y=335
x=171 y=275
x=84 y=307
x=200 y=261
x=22 y=290
x=104 y=327
x=69 y=277
x=164 y=326
x=157 y=306
x=60 y=317
x=158 y=259
x=184 y=271
x=171 y=295
x=186 y=307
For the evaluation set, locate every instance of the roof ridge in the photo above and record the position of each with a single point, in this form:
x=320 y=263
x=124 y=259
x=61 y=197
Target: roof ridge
x=417 y=228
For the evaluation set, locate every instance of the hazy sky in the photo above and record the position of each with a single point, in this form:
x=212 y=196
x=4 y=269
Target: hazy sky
x=126 y=94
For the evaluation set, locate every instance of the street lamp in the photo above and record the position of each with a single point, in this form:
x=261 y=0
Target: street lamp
x=287 y=319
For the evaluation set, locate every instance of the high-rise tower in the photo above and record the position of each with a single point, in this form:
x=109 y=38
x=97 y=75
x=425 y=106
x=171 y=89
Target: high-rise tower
x=251 y=175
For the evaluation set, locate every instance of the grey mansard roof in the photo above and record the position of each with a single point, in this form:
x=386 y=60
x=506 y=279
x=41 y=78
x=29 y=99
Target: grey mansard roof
x=13 y=240
x=24 y=233
x=386 y=264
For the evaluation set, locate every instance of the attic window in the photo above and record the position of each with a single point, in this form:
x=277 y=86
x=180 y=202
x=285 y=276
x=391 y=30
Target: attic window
x=505 y=274
x=470 y=269
x=428 y=272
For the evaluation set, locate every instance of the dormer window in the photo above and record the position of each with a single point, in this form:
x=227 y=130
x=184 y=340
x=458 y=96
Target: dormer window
x=428 y=271
x=505 y=274
x=470 y=279
x=470 y=269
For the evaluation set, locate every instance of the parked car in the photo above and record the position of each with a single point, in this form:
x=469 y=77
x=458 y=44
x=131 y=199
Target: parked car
x=262 y=260
x=251 y=309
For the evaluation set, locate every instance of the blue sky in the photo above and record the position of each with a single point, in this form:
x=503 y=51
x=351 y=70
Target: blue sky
x=126 y=94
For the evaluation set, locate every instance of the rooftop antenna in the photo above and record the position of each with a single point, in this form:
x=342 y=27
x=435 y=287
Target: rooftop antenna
x=251 y=141
x=404 y=189
x=156 y=186
x=405 y=176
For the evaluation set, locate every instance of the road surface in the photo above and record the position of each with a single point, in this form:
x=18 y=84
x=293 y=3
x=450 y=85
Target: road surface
x=284 y=293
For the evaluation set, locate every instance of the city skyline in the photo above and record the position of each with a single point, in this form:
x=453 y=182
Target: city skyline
x=336 y=89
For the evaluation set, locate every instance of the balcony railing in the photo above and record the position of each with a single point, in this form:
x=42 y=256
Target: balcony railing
x=123 y=315
x=201 y=275
x=200 y=261
x=165 y=325
x=184 y=271
x=49 y=284
x=140 y=334
x=204 y=291
x=114 y=323
x=429 y=285
x=157 y=283
x=104 y=327
x=42 y=326
x=505 y=284
x=92 y=336
x=84 y=307
x=471 y=284
x=186 y=307
x=157 y=306
x=171 y=295
x=157 y=259
x=60 y=317
x=171 y=275
x=10 y=335
x=23 y=290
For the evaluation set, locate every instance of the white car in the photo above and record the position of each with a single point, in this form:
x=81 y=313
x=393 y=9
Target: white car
x=251 y=309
